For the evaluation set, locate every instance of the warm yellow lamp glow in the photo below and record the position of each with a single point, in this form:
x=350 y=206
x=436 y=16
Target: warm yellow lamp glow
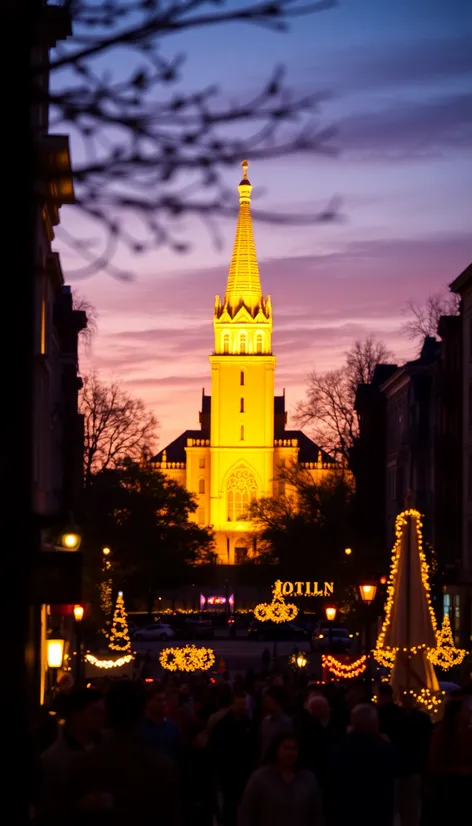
x=301 y=661
x=348 y=551
x=71 y=539
x=330 y=612
x=106 y=551
x=78 y=612
x=367 y=592
x=55 y=652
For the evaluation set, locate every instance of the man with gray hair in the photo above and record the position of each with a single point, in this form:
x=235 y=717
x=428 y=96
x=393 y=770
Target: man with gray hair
x=361 y=782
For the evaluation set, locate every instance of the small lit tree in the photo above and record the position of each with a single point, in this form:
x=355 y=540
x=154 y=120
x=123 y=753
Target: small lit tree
x=446 y=655
x=119 y=636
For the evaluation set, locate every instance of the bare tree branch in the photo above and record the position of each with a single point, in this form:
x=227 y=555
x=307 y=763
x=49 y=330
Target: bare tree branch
x=81 y=302
x=152 y=153
x=424 y=318
x=116 y=426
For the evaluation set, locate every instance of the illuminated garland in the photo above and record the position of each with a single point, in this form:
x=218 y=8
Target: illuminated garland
x=276 y=611
x=119 y=635
x=108 y=663
x=446 y=655
x=385 y=655
x=344 y=671
x=189 y=658
x=431 y=700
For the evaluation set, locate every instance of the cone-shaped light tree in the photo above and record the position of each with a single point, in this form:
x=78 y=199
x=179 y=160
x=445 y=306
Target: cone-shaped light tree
x=446 y=655
x=119 y=635
x=409 y=629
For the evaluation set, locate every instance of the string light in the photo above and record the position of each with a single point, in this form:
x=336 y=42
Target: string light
x=119 y=635
x=189 y=658
x=344 y=671
x=96 y=661
x=384 y=654
x=431 y=700
x=446 y=655
x=276 y=611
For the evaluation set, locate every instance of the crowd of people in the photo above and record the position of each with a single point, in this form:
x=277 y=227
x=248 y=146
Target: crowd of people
x=252 y=751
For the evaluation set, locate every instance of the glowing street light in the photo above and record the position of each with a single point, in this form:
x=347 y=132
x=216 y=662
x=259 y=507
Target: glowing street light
x=330 y=612
x=301 y=661
x=78 y=613
x=367 y=593
x=71 y=538
x=348 y=551
x=55 y=652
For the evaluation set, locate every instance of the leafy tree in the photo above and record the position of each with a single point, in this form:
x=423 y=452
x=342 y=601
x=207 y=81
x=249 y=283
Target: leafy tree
x=145 y=518
x=424 y=318
x=328 y=408
x=307 y=528
x=116 y=425
x=151 y=152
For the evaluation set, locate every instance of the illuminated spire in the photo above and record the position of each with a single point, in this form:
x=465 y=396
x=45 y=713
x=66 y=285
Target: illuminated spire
x=244 y=285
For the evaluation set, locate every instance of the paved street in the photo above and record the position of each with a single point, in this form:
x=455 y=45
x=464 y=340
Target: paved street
x=237 y=654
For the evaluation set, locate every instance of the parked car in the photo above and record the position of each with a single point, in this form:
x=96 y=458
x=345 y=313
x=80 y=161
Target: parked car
x=332 y=640
x=276 y=631
x=155 y=631
x=198 y=629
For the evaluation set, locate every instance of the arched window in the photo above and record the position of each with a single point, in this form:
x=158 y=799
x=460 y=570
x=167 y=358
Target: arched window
x=241 y=405
x=242 y=433
x=259 y=343
x=241 y=378
x=242 y=344
x=241 y=490
x=226 y=345
x=201 y=486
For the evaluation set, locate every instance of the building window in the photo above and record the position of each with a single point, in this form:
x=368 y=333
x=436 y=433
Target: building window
x=241 y=405
x=281 y=487
x=241 y=491
x=201 y=516
x=240 y=555
x=201 y=462
x=259 y=344
x=241 y=435
x=241 y=378
x=201 y=486
x=226 y=345
x=242 y=344
x=446 y=604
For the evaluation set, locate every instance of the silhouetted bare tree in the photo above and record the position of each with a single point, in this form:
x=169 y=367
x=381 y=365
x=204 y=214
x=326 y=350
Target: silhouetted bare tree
x=424 y=318
x=116 y=426
x=152 y=154
x=328 y=408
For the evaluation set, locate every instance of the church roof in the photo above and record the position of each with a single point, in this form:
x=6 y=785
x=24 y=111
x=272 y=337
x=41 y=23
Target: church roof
x=244 y=285
x=176 y=450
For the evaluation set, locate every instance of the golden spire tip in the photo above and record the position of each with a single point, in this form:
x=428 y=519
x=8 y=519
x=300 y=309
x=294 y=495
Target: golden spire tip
x=244 y=166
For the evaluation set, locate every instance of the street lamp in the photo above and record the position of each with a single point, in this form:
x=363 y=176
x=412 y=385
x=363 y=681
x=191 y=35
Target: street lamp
x=348 y=551
x=330 y=612
x=70 y=538
x=55 y=658
x=106 y=551
x=78 y=616
x=301 y=661
x=368 y=593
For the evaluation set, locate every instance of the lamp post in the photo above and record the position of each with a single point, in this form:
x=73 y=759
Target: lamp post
x=367 y=592
x=55 y=657
x=78 y=617
x=330 y=612
x=70 y=538
x=106 y=585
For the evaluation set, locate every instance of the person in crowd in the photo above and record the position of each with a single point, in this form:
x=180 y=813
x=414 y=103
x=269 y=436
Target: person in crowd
x=311 y=726
x=156 y=730
x=179 y=714
x=233 y=745
x=275 y=721
x=199 y=798
x=122 y=780
x=450 y=764
x=84 y=712
x=361 y=778
x=224 y=700
x=280 y=793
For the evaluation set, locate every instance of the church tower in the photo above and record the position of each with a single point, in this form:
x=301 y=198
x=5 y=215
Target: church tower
x=242 y=397
x=243 y=439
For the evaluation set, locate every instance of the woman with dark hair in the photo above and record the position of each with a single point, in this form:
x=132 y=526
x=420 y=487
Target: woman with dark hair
x=280 y=793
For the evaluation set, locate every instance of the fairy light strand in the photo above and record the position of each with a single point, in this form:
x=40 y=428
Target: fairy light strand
x=446 y=655
x=119 y=635
x=189 y=658
x=276 y=611
x=107 y=664
x=344 y=671
x=384 y=654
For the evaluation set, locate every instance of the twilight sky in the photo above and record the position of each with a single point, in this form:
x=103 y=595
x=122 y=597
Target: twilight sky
x=398 y=76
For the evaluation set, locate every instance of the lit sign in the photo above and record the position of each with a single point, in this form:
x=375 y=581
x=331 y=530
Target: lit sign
x=215 y=600
x=304 y=589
